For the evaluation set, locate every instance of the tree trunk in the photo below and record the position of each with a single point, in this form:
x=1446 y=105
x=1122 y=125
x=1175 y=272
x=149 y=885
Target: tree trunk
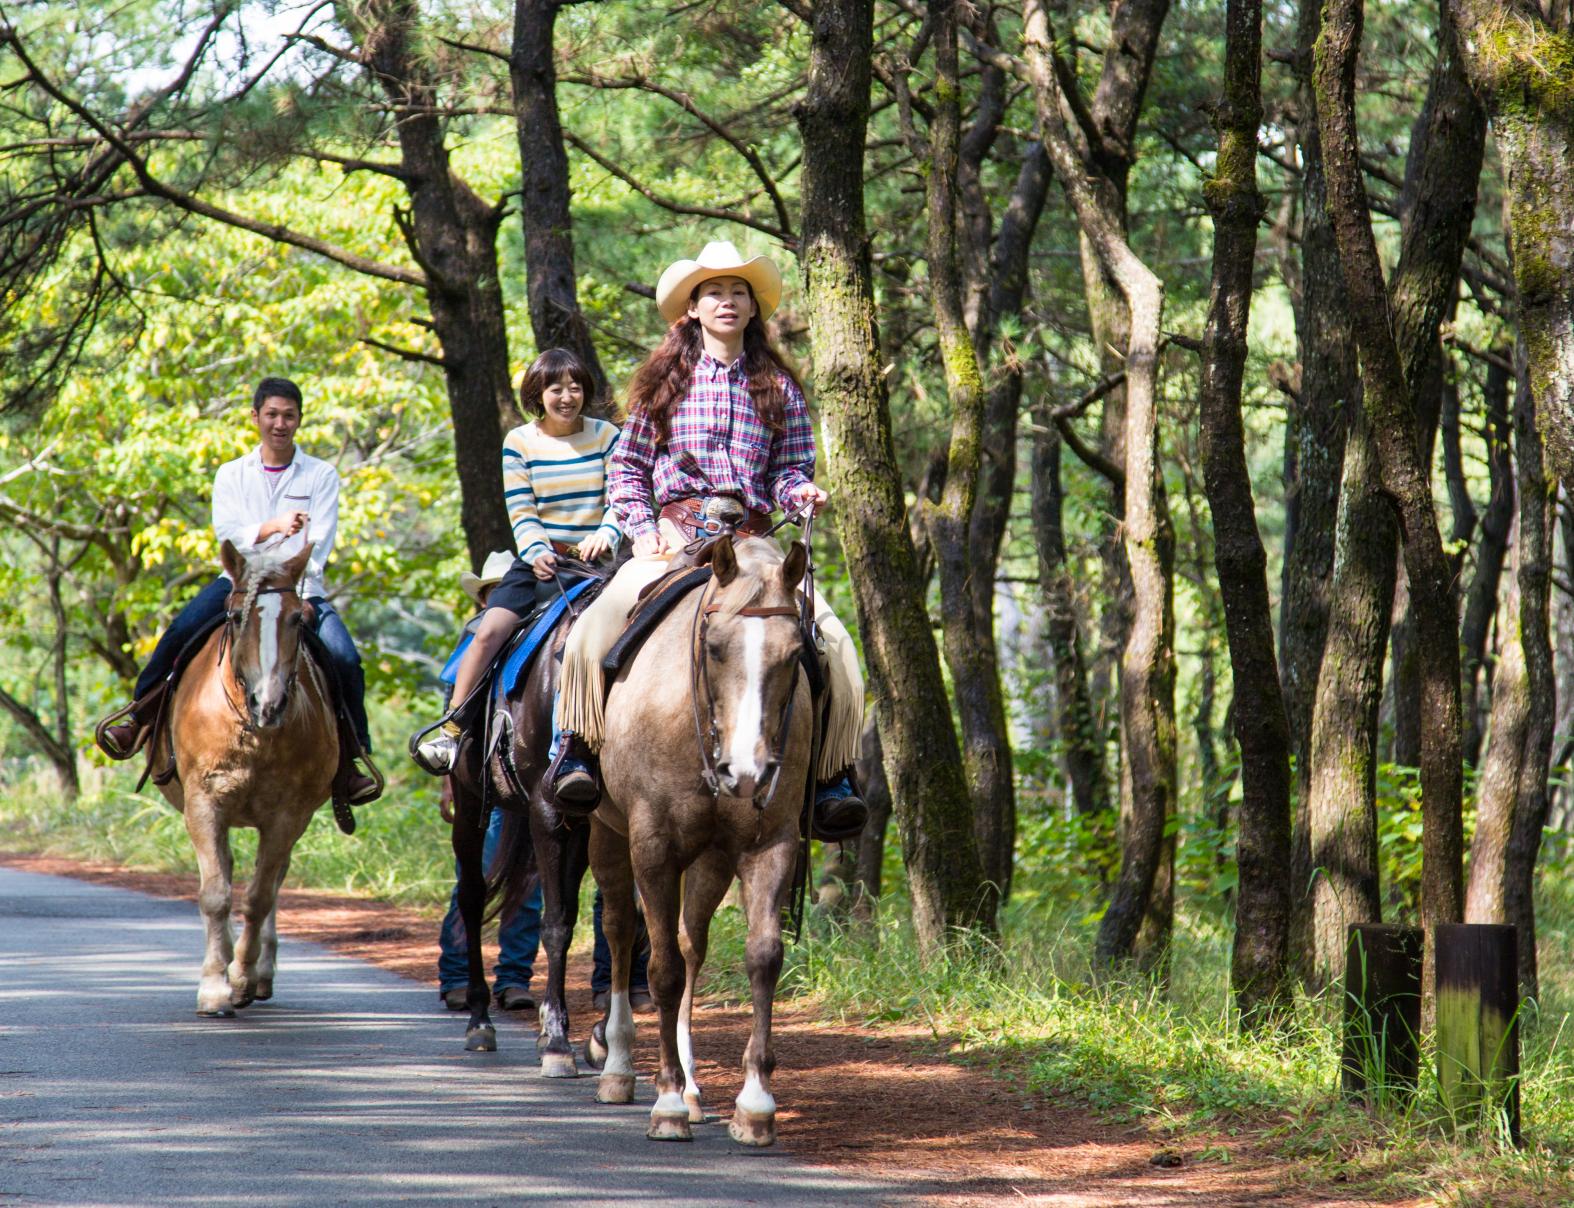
x=870 y=861
x=928 y=788
x=1314 y=510
x=1521 y=64
x=1259 y=974
x=1481 y=597
x=1391 y=408
x=1513 y=799
x=555 y=317
x=1341 y=822
x=1081 y=738
x=452 y=233
x=1148 y=661
x=975 y=672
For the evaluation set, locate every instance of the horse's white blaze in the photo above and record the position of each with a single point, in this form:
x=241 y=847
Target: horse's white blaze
x=748 y=728
x=269 y=686
x=620 y=1036
x=755 y=1098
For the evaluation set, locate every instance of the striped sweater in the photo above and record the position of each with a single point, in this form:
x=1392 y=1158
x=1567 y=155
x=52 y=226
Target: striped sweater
x=555 y=486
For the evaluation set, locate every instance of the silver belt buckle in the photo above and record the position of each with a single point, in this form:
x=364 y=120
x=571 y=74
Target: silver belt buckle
x=721 y=510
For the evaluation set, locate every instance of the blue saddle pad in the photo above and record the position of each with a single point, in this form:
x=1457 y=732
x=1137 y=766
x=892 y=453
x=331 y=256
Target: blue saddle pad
x=525 y=648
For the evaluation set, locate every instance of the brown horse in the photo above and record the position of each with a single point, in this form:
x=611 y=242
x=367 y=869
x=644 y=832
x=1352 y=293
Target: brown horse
x=252 y=728
x=704 y=763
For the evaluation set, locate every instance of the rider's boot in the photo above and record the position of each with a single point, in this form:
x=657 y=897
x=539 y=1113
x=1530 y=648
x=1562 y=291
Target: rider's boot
x=439 y=752
x=123 y=739
x=573 y=773
x=839 y=813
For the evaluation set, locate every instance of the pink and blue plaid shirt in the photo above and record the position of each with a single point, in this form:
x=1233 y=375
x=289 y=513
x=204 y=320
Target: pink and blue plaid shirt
x=716 y=445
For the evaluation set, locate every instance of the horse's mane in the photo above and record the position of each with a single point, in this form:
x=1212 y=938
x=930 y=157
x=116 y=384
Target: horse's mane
x=746 y=589
x=260 y=567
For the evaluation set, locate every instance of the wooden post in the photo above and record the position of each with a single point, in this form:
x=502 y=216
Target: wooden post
x=1382 y=1010
x=1478 y=1022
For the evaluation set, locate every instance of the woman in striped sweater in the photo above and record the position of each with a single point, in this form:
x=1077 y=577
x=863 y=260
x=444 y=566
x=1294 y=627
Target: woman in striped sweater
x=554 y=483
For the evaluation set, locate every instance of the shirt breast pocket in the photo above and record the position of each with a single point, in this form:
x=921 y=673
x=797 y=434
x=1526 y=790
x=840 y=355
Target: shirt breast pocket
x=298 y=500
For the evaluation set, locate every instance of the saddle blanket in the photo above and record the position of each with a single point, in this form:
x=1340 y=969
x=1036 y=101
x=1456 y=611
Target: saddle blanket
x=522 y=648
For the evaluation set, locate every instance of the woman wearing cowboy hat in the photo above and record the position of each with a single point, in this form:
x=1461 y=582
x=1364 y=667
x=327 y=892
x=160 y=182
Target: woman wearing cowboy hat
x=717 y=430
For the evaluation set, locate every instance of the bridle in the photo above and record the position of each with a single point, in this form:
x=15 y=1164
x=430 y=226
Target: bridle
x=705 y=728
x=234 y=620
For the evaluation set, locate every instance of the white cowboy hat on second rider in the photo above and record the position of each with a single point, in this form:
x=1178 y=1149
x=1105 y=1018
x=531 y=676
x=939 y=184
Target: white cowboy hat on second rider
x=719 y=259
x=497 y=564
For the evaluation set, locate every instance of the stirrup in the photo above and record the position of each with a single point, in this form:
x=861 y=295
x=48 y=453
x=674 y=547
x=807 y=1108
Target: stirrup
x=572 y=747
x=436 y=756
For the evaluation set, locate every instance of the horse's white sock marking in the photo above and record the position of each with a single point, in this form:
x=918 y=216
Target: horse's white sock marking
x=620 y=1035
x=748 y=729
x=686 y=1052
x=670 y=1103
x=755 y=1098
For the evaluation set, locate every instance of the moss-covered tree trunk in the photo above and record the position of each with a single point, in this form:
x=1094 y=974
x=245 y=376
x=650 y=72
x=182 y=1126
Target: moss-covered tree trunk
x=1391 y=410
x=1148 y=661
x=1519 y=56
x=556 y=320
x=970 y=653
x=1319 y=417
x=1481 y=596
x=452 y=234
x=923 y=763
x=1259 y=974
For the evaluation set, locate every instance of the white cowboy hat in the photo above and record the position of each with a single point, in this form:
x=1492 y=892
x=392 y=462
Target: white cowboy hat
x=497 y=565
x=719 y=259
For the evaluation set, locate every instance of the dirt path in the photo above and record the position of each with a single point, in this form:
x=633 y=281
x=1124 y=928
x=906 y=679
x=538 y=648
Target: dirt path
x=882 y=1100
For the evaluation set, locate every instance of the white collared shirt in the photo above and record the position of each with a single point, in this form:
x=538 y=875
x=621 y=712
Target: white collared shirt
x=245 y=497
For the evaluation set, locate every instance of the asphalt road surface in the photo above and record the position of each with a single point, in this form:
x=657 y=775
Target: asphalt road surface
x=349 y=1088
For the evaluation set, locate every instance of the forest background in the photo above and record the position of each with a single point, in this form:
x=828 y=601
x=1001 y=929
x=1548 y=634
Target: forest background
x=1137 y=444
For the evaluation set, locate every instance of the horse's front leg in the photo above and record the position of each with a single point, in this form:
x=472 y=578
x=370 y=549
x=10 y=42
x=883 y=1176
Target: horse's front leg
x=705 y=884
x=767 y=877
x=561 y=858
x=609 y=859
x=274 y=844
x=211 y=839
x=469 y=838
x=659 y=891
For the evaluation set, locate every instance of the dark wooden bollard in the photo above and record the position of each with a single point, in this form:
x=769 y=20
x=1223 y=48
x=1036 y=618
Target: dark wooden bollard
x=1478 y=1021
x=1382 y=1010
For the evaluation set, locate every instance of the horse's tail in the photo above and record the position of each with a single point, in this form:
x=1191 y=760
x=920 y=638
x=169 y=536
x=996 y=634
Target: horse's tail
x=513 y=875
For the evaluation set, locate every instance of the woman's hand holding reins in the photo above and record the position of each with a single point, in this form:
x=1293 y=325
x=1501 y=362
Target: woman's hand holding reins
x=809 y=493
x=595 y=546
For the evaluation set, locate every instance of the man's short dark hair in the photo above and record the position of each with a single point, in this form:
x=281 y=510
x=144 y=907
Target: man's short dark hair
x=275 y=387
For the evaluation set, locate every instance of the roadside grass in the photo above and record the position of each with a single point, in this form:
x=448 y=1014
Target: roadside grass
x=1029 y=1009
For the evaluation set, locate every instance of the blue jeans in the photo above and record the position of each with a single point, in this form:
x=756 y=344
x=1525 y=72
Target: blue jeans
x=517 y=939
x=208 y=604
x=601 y=971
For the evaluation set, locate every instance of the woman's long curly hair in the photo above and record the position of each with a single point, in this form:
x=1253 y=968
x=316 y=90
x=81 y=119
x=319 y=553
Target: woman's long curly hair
x=661 y=383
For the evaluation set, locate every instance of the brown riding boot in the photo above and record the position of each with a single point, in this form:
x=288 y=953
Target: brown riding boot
x=123 y=739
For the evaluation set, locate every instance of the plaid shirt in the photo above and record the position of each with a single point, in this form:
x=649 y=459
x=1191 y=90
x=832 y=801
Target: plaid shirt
x=716 y=445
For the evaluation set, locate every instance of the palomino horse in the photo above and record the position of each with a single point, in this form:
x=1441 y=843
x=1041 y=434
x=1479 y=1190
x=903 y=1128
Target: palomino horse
x=538 y=839
x=255 y=744
x=704 y=763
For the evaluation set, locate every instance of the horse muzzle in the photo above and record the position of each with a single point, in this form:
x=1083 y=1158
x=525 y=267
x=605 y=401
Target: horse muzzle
x=743 y=782
x=266 y=714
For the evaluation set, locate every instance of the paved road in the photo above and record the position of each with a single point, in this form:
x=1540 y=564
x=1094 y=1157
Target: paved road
x=349 y=1088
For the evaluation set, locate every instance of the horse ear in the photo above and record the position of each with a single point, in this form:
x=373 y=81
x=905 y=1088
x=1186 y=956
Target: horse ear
x=797 y=562
x=724 y=561
x=234 y=565
x=296 y=566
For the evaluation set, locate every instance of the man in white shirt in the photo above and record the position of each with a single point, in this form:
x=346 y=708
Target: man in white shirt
x=275 y=497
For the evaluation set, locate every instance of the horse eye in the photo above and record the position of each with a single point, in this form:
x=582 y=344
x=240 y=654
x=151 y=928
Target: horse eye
x=296 y=618
x=716 y=651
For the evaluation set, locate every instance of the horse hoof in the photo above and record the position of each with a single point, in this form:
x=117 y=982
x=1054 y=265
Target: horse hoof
x=615 y=1088
x=558 y=1065
x=264 y=991
x=224 y=1012
x=750 y=1128
x=596 y=1047
x=696 y=1108
x=669 y=1126
x=481 y=1040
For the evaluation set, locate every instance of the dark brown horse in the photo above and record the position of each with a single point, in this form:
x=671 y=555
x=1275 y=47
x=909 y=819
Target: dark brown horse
x=255 y=743
x=539 y=840
x=705 y=764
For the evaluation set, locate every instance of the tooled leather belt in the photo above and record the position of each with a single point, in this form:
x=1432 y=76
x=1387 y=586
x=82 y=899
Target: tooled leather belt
x=698 y=518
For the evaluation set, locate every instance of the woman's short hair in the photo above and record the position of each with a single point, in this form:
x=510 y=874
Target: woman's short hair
x=548 y=368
